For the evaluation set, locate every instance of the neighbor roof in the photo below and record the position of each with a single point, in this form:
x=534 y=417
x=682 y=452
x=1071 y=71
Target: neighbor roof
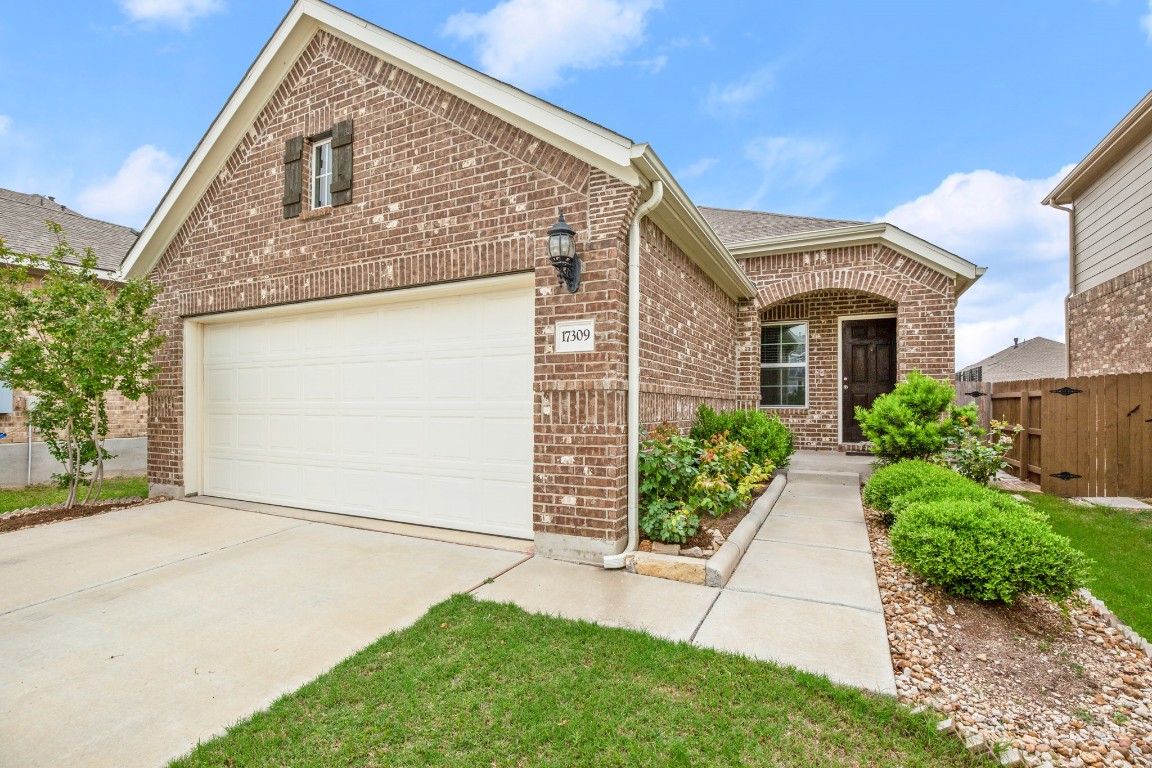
x=735 y=226
x=1036 y=358
x=23 y=229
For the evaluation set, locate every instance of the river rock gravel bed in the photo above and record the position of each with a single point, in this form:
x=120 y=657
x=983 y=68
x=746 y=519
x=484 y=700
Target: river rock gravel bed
x=1061 y=686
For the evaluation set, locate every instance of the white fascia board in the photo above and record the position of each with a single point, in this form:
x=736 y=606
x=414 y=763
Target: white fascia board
x=594 y=144
x=681 y=220
x=946 y=263
x=1126 y=134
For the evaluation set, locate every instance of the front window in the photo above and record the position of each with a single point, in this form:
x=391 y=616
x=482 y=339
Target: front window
x=322 y=174
x=784 y=365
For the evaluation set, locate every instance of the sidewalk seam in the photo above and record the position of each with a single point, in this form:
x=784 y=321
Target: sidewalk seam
x=875 y=612
x=704 y=618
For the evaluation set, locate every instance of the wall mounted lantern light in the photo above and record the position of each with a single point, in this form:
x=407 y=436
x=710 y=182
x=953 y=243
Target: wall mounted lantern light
x=562 y=252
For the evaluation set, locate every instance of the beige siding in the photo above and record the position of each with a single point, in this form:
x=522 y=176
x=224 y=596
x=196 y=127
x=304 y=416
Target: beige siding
x=1114 y=220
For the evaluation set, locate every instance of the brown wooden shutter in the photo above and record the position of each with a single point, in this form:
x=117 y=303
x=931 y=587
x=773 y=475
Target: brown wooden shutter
x=293 y=171
x=342 y=162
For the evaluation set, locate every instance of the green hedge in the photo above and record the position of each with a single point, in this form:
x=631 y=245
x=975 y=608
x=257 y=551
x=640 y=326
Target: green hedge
x=969 y=490
x=897 y=479
x=979 y=550
x=767 y=439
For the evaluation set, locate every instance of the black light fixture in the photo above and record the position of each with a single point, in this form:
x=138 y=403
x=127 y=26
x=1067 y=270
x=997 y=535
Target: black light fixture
x=562 y=252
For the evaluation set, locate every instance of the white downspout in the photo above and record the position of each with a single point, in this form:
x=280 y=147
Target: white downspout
x=1071 y=284
x=617 y=561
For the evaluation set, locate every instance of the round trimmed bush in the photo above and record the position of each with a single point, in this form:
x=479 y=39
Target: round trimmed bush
x=977 y=550
x=896 y=479
x=967 y=491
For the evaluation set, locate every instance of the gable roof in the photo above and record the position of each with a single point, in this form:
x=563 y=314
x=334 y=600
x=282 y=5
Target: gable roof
x=635 y=164
x=753 y=233
x=734 y=226
x=1128 y=132
x=1036 y=358
x=23 y=230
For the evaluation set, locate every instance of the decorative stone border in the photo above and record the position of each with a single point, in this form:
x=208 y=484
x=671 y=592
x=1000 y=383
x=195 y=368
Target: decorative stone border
x=1129 y=634
x=53 y=507
x=716 y=570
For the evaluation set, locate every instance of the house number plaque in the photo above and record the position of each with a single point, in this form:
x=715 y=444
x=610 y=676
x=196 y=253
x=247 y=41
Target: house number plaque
x=575 y=336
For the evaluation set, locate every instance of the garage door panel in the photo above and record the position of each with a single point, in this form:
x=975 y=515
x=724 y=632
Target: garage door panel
x=414 y=410
x=221 y=386
x=250 y=431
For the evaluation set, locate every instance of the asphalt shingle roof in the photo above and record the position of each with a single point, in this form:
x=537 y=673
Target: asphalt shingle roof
x=1036 y=358
x=741 y=226
x=22 y=229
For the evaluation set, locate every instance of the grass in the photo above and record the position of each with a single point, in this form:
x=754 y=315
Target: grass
x=480 y=684
x=40 y=495
x=1120 y=542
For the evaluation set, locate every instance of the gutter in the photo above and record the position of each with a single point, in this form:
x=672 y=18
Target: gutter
x=617 y=561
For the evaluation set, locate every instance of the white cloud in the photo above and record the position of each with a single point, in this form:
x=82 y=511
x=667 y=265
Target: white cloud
x=653 y=65
x=5 y=124
x=735 y=96
x=698 y=168
x=531 y=43
x=130 y=196
x=996 y=220
x=1146 y=22
x=177 y=13
x=791 y=163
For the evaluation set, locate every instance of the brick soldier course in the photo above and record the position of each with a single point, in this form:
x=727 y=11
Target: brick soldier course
x=450 y=183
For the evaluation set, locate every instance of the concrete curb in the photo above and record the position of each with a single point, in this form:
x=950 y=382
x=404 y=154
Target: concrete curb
x=720 y=566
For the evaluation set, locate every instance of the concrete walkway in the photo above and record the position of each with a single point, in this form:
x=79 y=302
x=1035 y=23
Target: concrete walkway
x=804 y=595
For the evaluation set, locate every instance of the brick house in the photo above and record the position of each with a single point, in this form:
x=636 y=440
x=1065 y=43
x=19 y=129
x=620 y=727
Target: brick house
x=1108 y=197
x=362 y=316
x=23 y=230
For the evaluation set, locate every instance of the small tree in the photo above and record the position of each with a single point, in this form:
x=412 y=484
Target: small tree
x=70 y=341
x=916 y=420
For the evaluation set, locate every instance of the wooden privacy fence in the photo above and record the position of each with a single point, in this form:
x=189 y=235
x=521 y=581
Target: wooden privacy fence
x=1083 y=436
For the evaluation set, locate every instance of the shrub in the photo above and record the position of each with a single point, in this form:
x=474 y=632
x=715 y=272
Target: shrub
x=975 y=549
x=914 y=421
x=767 y=439
x=966 y=490
x=894 y=480
x=976 y=455
x=681 y=478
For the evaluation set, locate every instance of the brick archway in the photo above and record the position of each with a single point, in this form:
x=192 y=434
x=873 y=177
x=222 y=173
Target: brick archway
x=830 y=279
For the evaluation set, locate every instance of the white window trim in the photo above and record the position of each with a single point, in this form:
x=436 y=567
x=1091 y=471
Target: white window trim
x=314 y=178
x=807 y=362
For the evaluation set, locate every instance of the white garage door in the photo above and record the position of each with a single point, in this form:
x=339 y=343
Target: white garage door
x=412 y=408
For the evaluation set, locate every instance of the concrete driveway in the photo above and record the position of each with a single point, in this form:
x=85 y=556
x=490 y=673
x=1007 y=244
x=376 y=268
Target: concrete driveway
x=126 y=638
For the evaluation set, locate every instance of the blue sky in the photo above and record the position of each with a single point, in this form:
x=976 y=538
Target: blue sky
x=951 y=120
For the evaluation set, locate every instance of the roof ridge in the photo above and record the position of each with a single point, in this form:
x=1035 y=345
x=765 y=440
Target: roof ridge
x=63 y=208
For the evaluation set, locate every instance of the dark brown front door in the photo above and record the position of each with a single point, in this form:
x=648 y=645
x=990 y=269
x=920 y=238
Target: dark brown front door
x=868 y=368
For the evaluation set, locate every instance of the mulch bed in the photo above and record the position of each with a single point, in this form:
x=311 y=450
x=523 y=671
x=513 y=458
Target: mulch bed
x=704 y=538
x=1059 y=684
x=30 y=518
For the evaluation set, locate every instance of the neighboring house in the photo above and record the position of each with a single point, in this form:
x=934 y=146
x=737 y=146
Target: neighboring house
x=362 y=316
x=1109 y=199
x=23 y=230
x=1037 y=358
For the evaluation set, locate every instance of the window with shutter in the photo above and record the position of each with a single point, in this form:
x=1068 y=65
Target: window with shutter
x=342 y=162
x=293 y=170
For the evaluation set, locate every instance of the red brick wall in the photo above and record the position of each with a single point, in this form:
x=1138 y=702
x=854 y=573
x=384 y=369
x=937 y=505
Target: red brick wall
x=1110 y=326
x=442 y=191
x=690 y=330
x=822 y=286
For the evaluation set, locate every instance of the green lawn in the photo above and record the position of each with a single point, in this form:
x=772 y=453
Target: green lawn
x=479 y=684
x=40 y=495
x=1120 y=541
